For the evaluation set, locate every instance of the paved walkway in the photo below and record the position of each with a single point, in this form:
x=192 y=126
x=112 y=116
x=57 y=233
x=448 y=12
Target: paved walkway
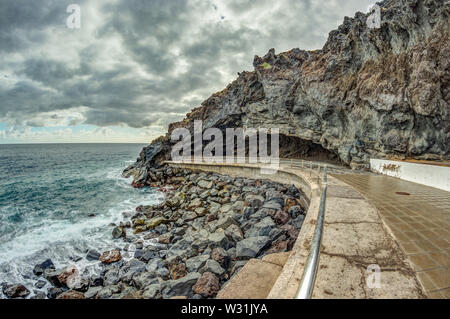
x=419 y=218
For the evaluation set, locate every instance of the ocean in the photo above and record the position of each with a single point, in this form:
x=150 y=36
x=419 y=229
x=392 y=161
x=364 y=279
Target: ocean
x=59 y=200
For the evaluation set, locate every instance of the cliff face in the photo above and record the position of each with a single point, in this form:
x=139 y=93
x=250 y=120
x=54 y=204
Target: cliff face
x=367 y=93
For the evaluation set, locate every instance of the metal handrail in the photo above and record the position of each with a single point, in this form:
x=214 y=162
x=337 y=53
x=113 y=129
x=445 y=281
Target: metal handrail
x=309 y=274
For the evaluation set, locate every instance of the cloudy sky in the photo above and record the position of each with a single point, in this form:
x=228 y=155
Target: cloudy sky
x=134 y=66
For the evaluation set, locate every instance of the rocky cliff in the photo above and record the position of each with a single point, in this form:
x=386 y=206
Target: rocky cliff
x=367 y=93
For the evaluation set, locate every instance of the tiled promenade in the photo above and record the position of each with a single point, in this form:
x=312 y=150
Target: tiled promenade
x=419 y=218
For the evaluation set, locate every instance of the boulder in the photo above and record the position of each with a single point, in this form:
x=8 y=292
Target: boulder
x=54 y=292
x=195 y=203
x=221 y=256
x=40 y=268
x=298 y=222
x=207 y=285
x=273 y=204
x=62 y=277
x=205 y=184
x=177 y=271
x=234 y=232
x=219 y=239
x=155 y=222
x=225 y=221
x=109 y=257
x=144 y=279
x=251 y=247
x=295 y=211
x=15 y=291
x=118 y=232
x=281 y=217
x=212 y=266
x=152 y=292
x=71 y=294
x=180 y=287
x=92 y=292
x=195 y=263
x=92 y=255
x=262 y=228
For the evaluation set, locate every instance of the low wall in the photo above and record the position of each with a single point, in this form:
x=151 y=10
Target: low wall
x=430 y=175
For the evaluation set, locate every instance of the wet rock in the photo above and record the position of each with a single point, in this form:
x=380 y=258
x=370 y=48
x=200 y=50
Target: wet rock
x=155 y=222
x=39 y=295
x=52 y=293
x=71 y=294
x=138 y=253
x=111 y=277
x=60 y=277
x=107 y=292
x=40 y=284
x=79 y=284
x=207 y=285
x=15 y=291
x=251 y=247
x=161 y=229
x=92 y=292
x=109 y=257
x=118 y=232
x=96 y=281
x=92 y=255
x=40 y=268
x=144 y=279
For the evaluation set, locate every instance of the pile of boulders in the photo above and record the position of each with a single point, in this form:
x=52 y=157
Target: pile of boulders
x=190 y=245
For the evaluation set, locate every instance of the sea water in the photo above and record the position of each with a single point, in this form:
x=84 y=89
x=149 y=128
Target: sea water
x=59 y=200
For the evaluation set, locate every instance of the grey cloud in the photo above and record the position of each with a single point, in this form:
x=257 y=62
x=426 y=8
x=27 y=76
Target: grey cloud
x=172 y=57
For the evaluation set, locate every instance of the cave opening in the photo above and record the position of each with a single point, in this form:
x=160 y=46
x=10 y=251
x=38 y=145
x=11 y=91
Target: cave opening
x=293 y=147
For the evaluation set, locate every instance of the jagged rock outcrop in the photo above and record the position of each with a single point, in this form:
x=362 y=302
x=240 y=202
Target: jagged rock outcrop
x=367 y=93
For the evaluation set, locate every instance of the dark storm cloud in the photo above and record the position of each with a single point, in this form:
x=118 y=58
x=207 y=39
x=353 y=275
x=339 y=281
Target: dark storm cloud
x=142 y=63
x=24 y=23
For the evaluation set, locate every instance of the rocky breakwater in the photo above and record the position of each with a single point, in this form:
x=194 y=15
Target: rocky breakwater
x=190 y=245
